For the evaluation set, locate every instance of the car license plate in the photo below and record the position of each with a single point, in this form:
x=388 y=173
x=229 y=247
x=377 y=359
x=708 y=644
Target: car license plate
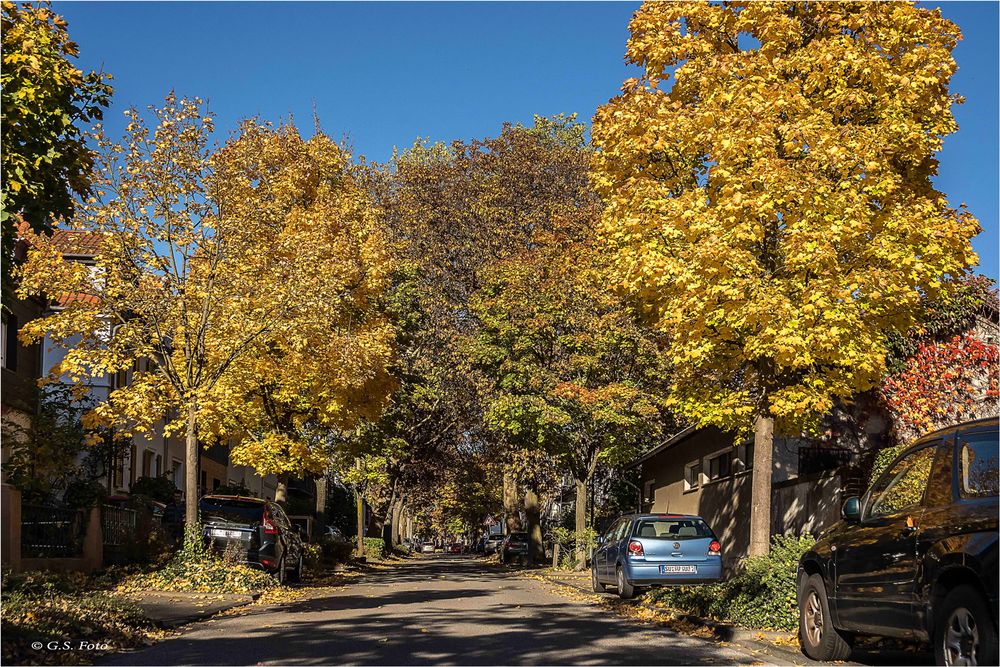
x=678 y=569
x=231 y=534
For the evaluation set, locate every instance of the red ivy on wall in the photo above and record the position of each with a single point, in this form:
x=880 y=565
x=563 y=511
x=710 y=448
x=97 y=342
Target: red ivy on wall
x=943 y=383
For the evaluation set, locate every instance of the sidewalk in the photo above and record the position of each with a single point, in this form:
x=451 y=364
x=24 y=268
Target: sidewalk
x=781 y=647
x=172 y=609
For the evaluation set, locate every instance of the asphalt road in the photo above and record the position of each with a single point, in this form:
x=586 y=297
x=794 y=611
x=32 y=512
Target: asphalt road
x=433 y=610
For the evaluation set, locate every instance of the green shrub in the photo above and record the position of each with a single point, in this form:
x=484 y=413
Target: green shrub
x=761 y=595
x=160 y=489
x=375 y=548
x=567 y=540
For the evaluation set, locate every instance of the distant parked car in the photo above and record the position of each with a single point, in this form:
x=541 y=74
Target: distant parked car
x=515 y=547
x=456 y=548
x=915 y=557
x=644 y=550
x=427 y=548
x=493 y=543
x=257 y=531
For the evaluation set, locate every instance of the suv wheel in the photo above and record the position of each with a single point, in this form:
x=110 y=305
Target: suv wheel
x=963 y=630
x=820 y=640
x=280 y=573
x=625 y=590
x=595 y=584
x=296 y=575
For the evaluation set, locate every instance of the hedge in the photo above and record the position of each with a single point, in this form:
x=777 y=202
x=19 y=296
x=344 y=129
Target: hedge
x=375 y=548
x=762 y=595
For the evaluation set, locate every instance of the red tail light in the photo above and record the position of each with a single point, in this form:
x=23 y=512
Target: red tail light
x=269 y=527
x=714 y=548
x=635 y=549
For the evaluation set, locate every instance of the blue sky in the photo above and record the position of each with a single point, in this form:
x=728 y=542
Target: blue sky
x=386 y=73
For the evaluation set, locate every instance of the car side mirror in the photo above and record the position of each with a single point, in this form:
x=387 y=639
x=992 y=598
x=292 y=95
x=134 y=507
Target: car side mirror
x=851 y=512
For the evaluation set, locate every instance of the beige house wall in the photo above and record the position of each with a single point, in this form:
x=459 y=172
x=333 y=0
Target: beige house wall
x=723 y=503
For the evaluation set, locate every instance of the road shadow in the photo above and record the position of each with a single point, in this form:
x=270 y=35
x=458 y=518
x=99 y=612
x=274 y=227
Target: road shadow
x=495 y=621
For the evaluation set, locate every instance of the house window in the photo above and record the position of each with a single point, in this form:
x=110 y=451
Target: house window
x=8 y=348
x=132 y=460
x=119 y=476
x=720 y=466
x=692 y=475
x=158 y=469
x=178 y=474
x=147 y=463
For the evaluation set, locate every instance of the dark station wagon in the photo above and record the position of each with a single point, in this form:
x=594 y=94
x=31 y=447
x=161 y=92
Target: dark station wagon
x=915 y=557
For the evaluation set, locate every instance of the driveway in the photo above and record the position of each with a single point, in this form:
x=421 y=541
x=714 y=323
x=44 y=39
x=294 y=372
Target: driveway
x=432 y=610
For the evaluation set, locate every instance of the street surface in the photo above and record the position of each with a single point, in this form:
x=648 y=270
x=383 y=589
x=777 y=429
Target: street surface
x=433 y=610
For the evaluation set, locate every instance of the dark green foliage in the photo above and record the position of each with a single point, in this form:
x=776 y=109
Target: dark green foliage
x=84 y=493
x=160 y=489
x=235 y=490
x=762 y=595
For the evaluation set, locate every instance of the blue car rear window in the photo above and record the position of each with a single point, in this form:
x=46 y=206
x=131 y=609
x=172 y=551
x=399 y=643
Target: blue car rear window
x=672 y=529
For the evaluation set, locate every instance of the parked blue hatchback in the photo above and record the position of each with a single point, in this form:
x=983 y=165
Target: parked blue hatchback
x=643 y=550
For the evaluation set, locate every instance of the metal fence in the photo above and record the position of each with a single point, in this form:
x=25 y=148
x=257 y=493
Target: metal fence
x=818 y=459
x=119 y=528
x=51 y=532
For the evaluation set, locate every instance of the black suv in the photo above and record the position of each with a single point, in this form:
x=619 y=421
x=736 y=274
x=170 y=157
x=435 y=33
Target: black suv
x=256 y=531
x=915 y=557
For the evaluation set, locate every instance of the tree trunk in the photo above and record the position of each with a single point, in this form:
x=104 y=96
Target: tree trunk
x=360 y=551
x=510 y=509
x=532 y=513
x=394 y=523
x=581 y=523
x=319 y=510
x=760 y=504
x=281 y=491
x=191 y=470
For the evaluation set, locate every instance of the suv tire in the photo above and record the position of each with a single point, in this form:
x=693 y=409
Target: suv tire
x=626 y=591
x=820 y=640
x=280 y=574
x=595 y=584
x=295 y=576
x=963 y=629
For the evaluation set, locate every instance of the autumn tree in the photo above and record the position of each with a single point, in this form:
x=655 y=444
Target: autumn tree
x=768 y=191
x=572 y=371
x=177 y=281
x=47 y=104
x=323 y=366
x=452 y=211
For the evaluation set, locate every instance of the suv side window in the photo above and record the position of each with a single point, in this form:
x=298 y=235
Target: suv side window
x=978 y=472
x=279 y=515
x=903 y=486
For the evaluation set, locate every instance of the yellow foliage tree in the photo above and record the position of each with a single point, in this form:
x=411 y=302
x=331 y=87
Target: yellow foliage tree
x=202 y=258
x=324 y=365
x=767 y=188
